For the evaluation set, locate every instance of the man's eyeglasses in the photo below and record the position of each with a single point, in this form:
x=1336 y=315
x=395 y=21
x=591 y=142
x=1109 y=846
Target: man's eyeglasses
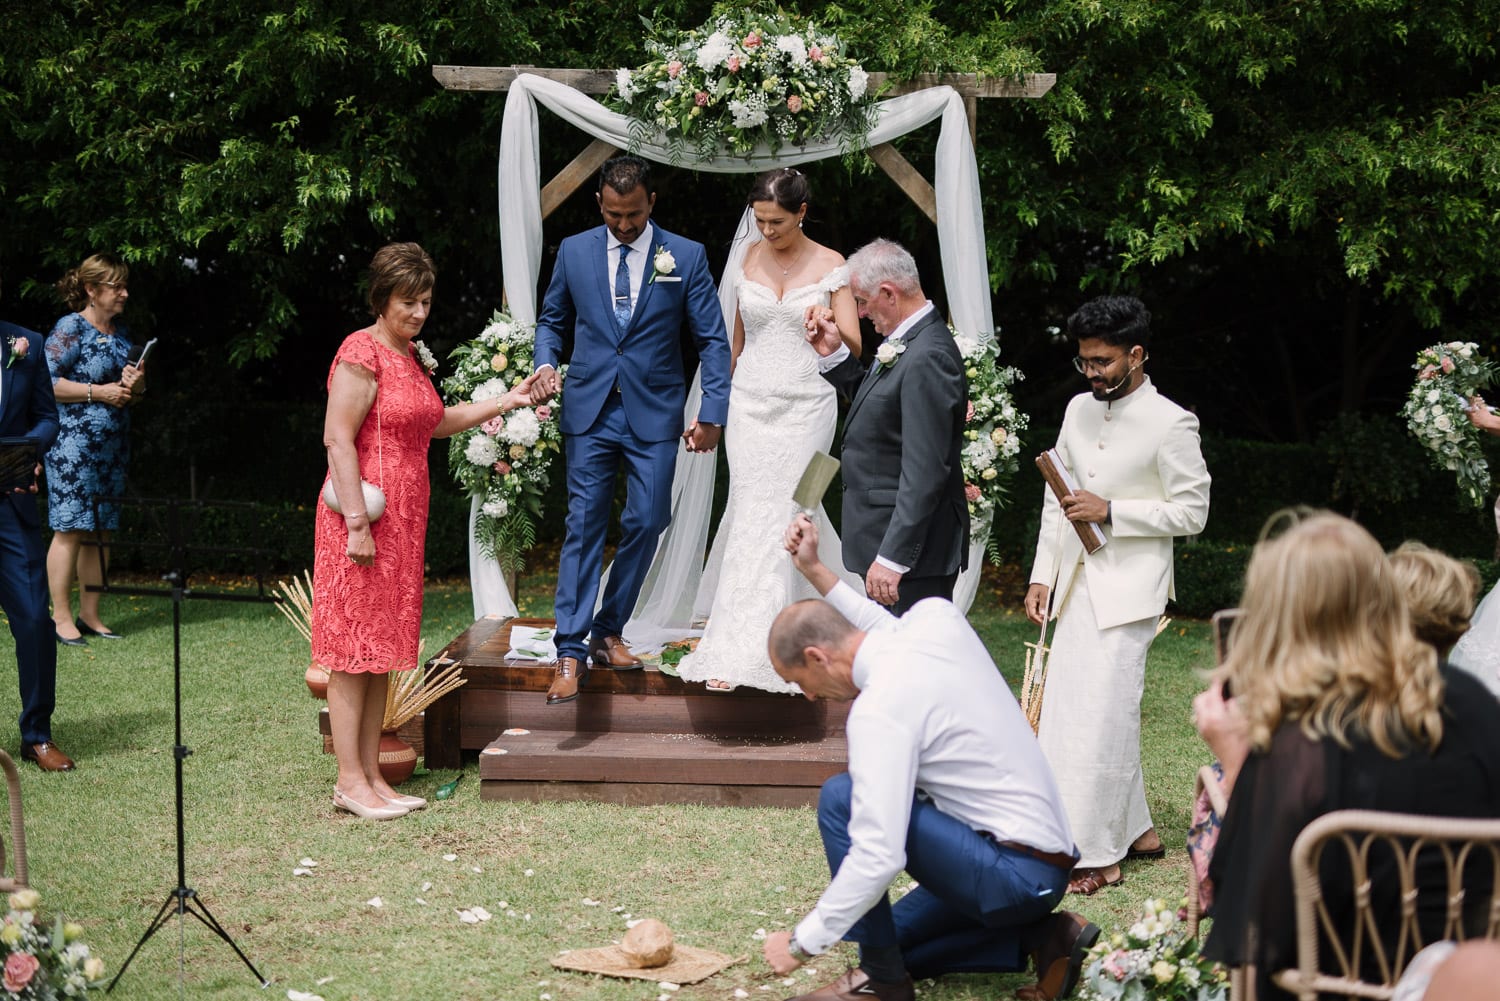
x=1087 y=365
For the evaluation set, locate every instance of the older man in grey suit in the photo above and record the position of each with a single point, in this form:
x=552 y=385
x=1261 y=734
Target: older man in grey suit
x=905 y=520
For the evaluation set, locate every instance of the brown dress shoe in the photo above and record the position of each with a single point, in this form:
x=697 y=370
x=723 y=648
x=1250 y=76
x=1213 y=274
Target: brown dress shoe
x=856 y=984
x=567 y=678
x=1059 y=958
x=612 y=653
x=47 y=757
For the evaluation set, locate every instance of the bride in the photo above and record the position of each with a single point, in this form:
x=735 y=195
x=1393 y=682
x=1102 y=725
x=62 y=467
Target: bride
x=780 y=412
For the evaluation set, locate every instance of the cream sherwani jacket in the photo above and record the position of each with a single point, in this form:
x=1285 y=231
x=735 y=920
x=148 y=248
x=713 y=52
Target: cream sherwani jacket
x=1142 y=454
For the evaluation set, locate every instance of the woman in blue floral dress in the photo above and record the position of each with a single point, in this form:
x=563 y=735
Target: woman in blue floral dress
x=88 y=353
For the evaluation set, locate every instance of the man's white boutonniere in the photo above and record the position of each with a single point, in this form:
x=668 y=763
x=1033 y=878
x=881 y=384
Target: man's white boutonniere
x=887 y=353
x=425 y=356
x=662 y=264
x=18 y=348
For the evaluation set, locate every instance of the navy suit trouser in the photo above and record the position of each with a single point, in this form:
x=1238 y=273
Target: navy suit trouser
x=23 y=596
x=594 y=461
x=973 y=900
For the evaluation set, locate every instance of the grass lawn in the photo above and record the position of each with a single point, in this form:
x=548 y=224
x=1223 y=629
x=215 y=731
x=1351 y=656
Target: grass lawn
x=101 y=839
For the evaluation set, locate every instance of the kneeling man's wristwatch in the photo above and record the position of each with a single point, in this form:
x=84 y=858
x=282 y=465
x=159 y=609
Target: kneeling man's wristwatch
x=798 y=953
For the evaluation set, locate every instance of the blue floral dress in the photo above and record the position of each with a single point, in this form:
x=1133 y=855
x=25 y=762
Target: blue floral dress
x=93 y=444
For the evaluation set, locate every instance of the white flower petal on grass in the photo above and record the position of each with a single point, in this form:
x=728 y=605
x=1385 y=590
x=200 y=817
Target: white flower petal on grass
x=467 y=917
x=450 y=857
x=760 y=934
x=740 y=992
x=426 y=886
x=477 y=869
x=632 y=924
x=667 y=985
x=420 y=901
x=588 y=902
x=481 y=913
x=502 y=905
x=299 y=871
x=626 y=915
x=375 y=902
x=309 y=863
x=789 y=982
x=529 y=872
x=617 y=910
x=302 y=996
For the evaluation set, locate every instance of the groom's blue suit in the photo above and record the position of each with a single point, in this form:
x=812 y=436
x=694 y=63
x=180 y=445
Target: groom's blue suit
x=27 y=410
x=623 y=403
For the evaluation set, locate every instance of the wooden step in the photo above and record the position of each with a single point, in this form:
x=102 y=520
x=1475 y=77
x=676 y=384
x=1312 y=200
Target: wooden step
x=655 y=767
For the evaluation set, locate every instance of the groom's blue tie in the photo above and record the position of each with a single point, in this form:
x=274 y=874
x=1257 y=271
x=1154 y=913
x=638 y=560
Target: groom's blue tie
x=622 y=290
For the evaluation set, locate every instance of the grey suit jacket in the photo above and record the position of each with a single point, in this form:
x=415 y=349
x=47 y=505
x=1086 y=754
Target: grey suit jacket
x=903 y=475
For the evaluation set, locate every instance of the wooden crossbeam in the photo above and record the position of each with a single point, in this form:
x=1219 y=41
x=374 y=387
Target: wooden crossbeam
x=910 y=180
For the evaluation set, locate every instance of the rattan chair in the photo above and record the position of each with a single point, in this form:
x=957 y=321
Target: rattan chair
x=17 y=830
x=1386 y=942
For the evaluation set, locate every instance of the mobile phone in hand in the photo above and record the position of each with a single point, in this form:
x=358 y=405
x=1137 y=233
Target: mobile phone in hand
x=1223 y=622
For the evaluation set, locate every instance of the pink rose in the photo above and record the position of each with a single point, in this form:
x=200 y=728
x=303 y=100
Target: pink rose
x=752 y=40
x=1447 y=364
x=969 y=415
x=734 y=64
x=673 y=68
x=815 y=53
x=20 y=348
x=493 y=426
x=542 y=413
x=502 y=467
x=20 y=967
x=701 y=98
x=794 y=103
x=971 y=492
x=1427 y=373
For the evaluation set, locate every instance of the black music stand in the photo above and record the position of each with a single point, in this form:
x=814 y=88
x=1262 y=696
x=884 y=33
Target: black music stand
x=174 y=521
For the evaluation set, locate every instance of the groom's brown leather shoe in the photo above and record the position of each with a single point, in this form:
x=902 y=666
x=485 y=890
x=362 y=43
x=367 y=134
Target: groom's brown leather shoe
x=855 y=984
x=47 y=757
x=567 y=678
x=611 y=652
x=1059 y=956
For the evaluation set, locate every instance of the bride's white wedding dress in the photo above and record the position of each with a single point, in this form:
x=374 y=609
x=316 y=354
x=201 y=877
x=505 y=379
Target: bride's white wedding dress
x=781 y=410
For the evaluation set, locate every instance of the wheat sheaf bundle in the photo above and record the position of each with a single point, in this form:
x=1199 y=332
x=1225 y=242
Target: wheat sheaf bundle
x=415 y=690
x=294 y=598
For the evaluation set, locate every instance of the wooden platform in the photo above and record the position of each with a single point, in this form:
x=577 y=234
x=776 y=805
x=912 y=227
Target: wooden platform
x=633 y=737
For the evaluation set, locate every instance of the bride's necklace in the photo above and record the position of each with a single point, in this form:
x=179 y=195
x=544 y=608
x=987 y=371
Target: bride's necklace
x=788 y=269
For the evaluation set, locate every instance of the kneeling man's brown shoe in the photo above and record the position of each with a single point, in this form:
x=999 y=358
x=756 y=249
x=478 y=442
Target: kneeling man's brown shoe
x=611 y=652
x=47 y=757
x=1059 y=958
x=856 y=984
x=567 y=678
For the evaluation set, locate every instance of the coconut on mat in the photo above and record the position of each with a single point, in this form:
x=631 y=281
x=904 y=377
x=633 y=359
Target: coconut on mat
x=647 y=952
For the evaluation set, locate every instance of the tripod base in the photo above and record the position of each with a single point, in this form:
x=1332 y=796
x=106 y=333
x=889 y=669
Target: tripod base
x=183 y=901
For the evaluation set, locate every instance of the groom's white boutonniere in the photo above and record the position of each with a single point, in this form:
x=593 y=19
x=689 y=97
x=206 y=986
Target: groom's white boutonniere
x=887 y=353
x=662 y=265
x=18 y=348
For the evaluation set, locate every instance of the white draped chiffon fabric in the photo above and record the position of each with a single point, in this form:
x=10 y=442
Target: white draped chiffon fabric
x=665 y=609
x=1090 y=729
x=781 y=411
x=1478 y=650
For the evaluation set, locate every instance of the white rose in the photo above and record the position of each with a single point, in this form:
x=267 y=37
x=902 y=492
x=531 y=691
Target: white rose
x=1467 y=351
x=858 y=81
x=664 y=263
x=967 y=346
x=625 y=83
x=495 y=508
x=1443 y=422
x=482 y=450
x=1434 y=395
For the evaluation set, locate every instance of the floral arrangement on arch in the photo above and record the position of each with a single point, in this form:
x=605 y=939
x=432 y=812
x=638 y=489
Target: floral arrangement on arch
x=992 y=432
x=1436 y=412
x=506 y=462
x=44 y=962
x=1155 y=958
x=743 y=79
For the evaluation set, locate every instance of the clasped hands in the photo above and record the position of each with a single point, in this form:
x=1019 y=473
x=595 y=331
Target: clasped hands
x=698 y=437
x=822 y=331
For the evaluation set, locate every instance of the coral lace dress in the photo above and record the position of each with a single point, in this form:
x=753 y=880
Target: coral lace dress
x=370 y=618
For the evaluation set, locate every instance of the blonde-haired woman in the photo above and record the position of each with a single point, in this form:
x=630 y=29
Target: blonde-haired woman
x=88 y=353
x=1333 y=703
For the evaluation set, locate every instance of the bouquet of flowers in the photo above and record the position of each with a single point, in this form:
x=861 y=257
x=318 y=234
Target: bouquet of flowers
x=1436 y=411
x=743 y=79
x=506 y=462
x=42 y=962
x=1156 y=959
x=992 y=432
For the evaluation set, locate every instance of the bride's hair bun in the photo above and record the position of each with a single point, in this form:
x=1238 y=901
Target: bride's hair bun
x=786 y=186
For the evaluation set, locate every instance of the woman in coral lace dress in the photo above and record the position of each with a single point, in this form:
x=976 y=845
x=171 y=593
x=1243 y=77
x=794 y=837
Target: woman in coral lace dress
x=367 y=572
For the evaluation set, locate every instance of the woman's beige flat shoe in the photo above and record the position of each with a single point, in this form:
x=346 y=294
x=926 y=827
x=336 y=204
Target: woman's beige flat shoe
x=357 y=808
x=408 y=803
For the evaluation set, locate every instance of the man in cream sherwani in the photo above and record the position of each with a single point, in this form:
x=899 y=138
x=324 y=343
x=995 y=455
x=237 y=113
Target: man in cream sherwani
x=1136 y=459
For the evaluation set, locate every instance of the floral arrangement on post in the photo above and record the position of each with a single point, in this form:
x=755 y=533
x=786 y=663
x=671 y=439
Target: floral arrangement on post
x=42 y=962
x=1447 y=375
x=1156 y=958
x=992 y=432
x=744 y=79
x=506 y=462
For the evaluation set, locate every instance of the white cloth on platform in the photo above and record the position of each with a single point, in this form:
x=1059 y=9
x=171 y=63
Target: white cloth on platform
x=665 y=610
x=1090 y=729
x=781 y=411
x=1478 y=650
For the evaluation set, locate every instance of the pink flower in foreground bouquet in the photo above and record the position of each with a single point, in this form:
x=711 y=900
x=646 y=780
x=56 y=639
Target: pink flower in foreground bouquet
x=502 y=467
x=673 y=68
x=1447 y=365
x=752 y=40
x=701 y=98
x=815 y=54
x=972 y=493
x=733 y=65
x=493 y=426
x=969 y=415
x=794 y=103
x=20 y=967
x=542 y=413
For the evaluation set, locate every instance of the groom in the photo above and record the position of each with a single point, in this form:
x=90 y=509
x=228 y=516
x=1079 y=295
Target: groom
x=625 y=291
x=905 y=518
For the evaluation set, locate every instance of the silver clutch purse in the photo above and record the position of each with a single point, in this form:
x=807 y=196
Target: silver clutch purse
x=374 y=499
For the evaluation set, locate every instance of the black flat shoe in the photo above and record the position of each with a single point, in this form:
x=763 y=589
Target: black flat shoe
x=80 y=641
x=88 y=630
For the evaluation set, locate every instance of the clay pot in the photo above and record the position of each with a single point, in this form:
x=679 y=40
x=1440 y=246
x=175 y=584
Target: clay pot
x=648 y=944
x=316 y=677
x=398 y=759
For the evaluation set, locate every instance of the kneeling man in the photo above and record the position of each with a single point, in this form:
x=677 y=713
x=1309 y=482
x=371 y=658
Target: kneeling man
x=945 y=781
